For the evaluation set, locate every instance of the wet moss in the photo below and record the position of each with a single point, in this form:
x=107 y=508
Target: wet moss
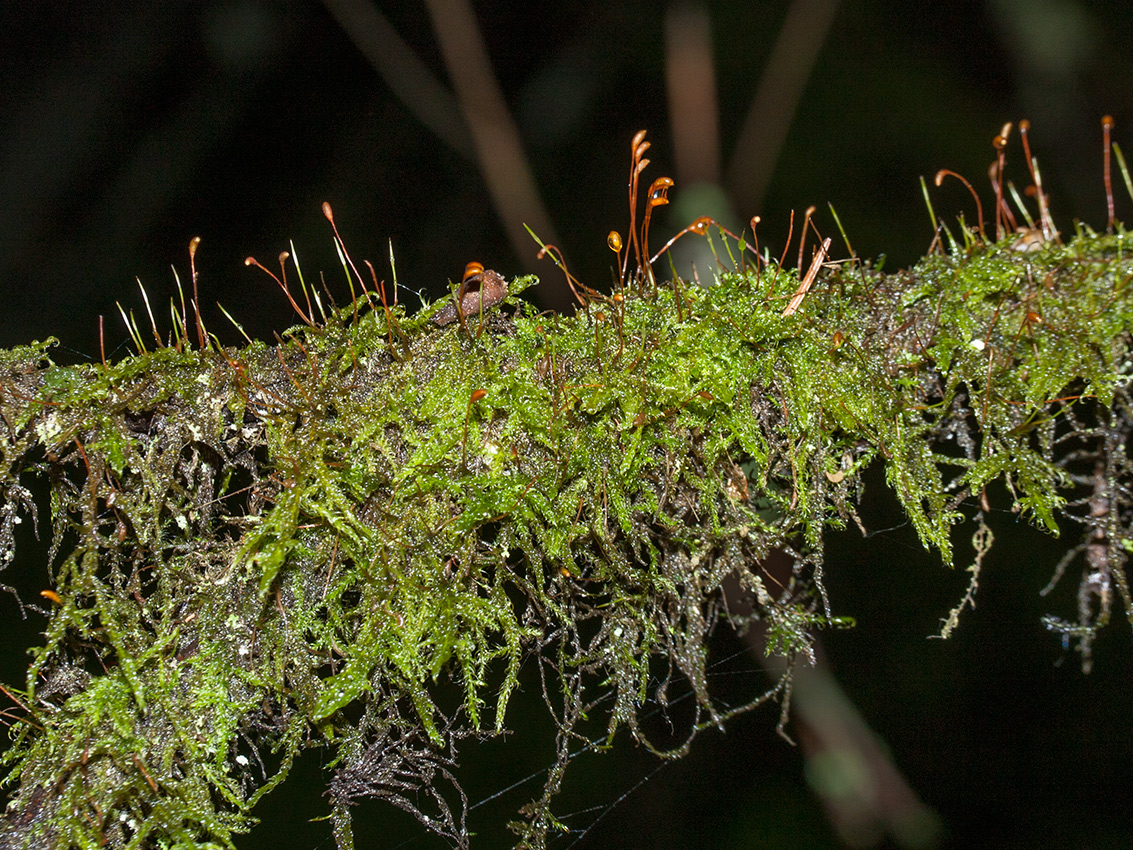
x=261 y=550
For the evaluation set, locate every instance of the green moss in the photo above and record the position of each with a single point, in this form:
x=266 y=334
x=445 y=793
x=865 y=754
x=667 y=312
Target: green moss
x=265 y=549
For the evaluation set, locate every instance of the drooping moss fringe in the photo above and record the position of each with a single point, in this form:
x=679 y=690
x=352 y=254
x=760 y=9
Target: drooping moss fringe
x=262 y=550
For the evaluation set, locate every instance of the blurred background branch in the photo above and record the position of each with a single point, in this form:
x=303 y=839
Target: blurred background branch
x=499 y=150
x=772 y=111
x=407 y=76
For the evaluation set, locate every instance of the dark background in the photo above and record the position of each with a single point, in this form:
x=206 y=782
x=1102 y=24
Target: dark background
x=127 y=129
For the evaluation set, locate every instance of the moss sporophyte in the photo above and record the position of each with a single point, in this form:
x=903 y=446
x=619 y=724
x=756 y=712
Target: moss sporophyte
x=259 y=550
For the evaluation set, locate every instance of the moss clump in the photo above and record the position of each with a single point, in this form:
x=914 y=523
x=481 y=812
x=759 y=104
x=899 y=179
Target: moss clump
x=261 y=550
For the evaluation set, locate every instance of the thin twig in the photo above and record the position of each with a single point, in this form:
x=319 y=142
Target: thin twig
x=811 y=274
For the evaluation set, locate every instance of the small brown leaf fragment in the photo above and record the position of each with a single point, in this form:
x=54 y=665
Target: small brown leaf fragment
x=482 y=291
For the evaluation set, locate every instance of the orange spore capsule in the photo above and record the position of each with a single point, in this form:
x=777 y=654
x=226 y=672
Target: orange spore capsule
x=659 y=191
x=472 y=269
x=701 y=225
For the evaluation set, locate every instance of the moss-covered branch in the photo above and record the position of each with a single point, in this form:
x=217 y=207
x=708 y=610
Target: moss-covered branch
x=260 y=550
